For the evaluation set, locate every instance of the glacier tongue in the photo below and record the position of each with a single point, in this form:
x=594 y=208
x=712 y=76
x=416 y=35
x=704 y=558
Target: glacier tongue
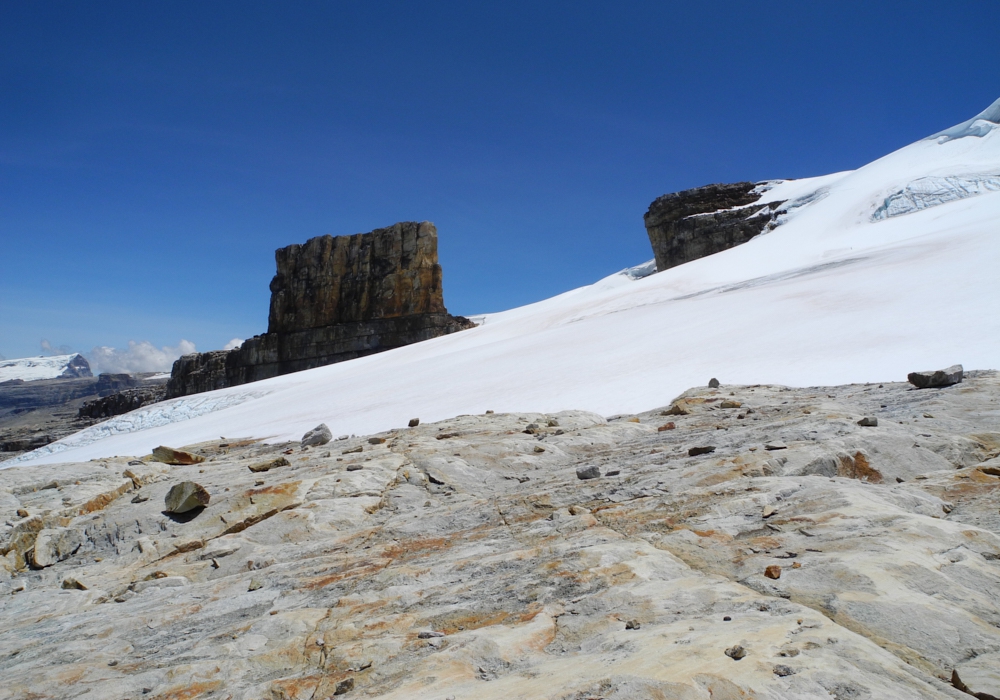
x=927 y=192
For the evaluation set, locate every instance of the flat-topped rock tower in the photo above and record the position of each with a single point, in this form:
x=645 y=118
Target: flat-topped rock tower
x=335 y=298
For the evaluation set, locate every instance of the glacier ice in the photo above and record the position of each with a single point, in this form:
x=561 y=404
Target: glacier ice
x=980 y=125
x=927 y=192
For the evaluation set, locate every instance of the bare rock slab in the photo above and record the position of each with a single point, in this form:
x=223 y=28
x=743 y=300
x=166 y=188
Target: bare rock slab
x=936 y=378
x=54 y=545
x=168 y=455
x=186 y=496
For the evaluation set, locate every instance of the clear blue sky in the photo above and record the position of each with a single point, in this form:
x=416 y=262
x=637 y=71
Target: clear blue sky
x=153 y=155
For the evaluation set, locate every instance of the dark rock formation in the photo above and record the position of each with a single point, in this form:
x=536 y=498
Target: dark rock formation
x=122 y=401
x=335 y=299
x=108 y=384
x=77 y=367
x=692 y=224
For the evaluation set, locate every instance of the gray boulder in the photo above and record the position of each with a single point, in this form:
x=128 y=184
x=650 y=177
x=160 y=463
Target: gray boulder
x=591 y=472
x=186 y=496
x=713 y=383
x=936 y=378
x=55 y=544
x=320 y=435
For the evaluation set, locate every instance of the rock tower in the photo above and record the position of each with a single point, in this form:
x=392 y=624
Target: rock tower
x=335 y=298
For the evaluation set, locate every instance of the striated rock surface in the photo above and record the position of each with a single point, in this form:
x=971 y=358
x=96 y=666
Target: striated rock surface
x=335 y=299
x=453 y=559
x=687 y=225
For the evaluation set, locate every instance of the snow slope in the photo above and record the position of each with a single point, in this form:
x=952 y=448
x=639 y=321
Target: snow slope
x=31 y=369
x=835 y=294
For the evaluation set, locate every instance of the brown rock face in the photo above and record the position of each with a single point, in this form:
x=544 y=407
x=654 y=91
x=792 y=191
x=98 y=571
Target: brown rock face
x=687 y=225
x=388 y=273
x=335 y=299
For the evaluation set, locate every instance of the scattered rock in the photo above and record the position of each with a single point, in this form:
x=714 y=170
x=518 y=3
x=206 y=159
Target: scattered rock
x=255 y=584
x=632 y=625
x=320 y=435
x=169 y=455
x=769 y=511
x=54 y=545
x=186 y=496
x=70 y=583
x=578 y=510
x=270 y=464
x=140 y=498
x=376 y=440
x=775 y=445
x=553 y=423
x=22 y=513
x=695 y=451
x=730 y=404
x=634 y=419
x=782 y=670
x=613 y=472
x=713 y=383
x=666 y=426
x=773 y=571
x=414 y=422
x=429 y=635
x=591 y=472
x=539 y=449
x=354 y=467
x=353 y=450
x=736 y=653
x=345 y=686
x=675 y=410
x=936 y=378
x=868 y=422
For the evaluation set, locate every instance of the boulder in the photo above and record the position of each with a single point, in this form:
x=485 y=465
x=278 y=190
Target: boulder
x=936 y=378
x=868 y=422
x=414 y=422
x=591 y=472
x=54 y=545
x=702 y=450
x=268 y=465
x=186 y=496
x=713 y=383
x=320 y=435
x=168 y=455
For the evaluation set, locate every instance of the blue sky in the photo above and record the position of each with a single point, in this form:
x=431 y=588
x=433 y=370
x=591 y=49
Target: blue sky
x=153 y=155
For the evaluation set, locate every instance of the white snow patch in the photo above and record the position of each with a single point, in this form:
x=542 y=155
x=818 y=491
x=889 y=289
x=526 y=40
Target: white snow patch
x=30 y=369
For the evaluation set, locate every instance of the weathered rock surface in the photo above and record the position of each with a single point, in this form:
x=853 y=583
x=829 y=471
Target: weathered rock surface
x=169 y=455
x=936 y=378
x=687 y=225
x=650 y=583
x=335 y=299
x=320 y=435
x=54 y=545
x=186 y=496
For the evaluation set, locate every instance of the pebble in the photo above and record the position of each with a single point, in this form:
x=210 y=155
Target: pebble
x=773 y=571
x=736 y=652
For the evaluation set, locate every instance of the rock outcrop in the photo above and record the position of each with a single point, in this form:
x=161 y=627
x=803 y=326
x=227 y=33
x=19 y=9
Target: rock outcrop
x=335 y=299
x=687 y=225
x=453 y=559
x=122 y=401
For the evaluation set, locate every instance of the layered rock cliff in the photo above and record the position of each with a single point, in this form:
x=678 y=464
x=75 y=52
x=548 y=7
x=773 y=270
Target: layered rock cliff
x=684 y=226
x=335 y=298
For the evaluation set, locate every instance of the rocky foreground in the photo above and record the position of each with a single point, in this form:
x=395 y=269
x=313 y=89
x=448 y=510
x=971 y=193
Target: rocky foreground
x=743 y=542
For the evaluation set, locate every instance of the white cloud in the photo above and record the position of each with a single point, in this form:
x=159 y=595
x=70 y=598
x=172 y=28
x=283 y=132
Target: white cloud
x=139 y=357
x=233 y=344
x=49 y=349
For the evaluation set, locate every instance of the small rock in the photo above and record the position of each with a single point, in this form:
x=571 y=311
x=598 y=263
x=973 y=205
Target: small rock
x=713 y=383
x=928 y=415
x=591 y=472
x=782 y=670
x=634 y=419
x=169 y=455
x=353 y=450
x=773 y=571
x=343 y=437
x=936 y=378
x=675 y=410
x=22 y=513
x=429 y=635
x=775 y=445
x=376 y=440
x=730 y=404
x=136 y=463
x=345 y=686
x=632 y=625
x=727 y=619
x=140 y=498
x=736 y=653
x=354 y=467
x=488 y=412
x=695 y=451
x=666 y=426
x=613 y=472
x=271 y=464
x=797 y=565
x=186 y=496
x=54 y=545
x=70 y=583
x=320 y=435
x=255 y=584
x=414 y=422
x=578 y=510
x=553 y=423
x=539 y=448
x=769 y=511
x=868 y=422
